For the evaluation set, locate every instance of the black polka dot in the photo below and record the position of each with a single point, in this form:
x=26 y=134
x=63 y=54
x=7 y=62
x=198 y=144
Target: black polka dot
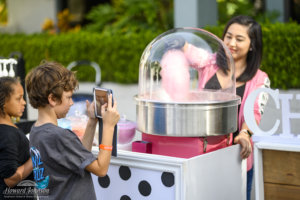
x=124 y=173
x=125 y=197
x=104 y=181
x=144 y=188
x=167 y=179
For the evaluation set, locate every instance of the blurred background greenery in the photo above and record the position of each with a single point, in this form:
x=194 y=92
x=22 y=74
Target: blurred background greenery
x=114 y=34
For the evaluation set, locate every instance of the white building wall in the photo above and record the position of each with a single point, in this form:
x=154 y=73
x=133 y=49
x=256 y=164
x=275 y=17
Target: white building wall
x=27 y=16
x=195 y=13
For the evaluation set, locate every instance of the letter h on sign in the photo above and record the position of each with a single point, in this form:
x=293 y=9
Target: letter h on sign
x=286 y=113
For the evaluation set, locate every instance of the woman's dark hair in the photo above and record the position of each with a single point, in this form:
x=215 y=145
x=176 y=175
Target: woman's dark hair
x=6 y=90
x=222 y=60
x=255 y=55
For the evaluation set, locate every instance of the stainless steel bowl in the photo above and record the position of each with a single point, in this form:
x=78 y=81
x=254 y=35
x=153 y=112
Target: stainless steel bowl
x=187 y=119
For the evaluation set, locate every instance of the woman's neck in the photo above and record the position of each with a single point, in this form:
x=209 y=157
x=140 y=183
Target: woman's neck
x=240 y=66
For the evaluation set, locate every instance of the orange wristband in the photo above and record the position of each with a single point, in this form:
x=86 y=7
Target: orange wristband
x=105 y=147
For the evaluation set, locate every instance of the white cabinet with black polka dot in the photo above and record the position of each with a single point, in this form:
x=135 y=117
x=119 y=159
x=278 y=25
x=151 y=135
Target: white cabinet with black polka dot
x=137 y=176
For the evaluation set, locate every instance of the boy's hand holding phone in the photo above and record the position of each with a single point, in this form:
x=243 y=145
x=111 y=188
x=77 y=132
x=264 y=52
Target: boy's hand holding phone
x=105 y=107
x=109 y=112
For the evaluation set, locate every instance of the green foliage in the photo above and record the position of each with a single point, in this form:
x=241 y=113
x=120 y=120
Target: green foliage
x=127 y=16
x=281 y=56
x=119 y=54
x=230 y=8
x=216 y=30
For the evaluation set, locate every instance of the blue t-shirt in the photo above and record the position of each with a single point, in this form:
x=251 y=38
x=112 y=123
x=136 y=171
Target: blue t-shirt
x=59 y=160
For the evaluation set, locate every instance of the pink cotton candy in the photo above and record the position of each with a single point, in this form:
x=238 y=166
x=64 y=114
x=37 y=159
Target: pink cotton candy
x=175 y=75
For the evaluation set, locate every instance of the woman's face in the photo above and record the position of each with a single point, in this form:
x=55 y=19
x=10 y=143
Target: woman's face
x=15 y=105
x=238 y=41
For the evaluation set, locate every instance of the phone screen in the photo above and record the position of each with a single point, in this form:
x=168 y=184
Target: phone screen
x=100 y=98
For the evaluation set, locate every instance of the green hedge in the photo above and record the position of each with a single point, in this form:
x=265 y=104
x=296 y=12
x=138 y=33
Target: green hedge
x=119 y=55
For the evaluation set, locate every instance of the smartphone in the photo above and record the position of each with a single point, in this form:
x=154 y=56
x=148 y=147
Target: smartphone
x=100 y=98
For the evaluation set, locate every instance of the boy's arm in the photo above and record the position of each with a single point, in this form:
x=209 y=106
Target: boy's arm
x=88 y=137
x=87 y=140
x=111 y=117
x=100 y=166
x=22 y=172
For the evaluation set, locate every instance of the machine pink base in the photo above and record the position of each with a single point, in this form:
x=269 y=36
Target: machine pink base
x=186 y=147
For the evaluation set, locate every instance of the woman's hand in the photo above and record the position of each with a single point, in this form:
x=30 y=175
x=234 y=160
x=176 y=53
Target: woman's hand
x=244 y=140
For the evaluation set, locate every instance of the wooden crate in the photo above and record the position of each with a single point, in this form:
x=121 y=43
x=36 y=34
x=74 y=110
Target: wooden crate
x=281 y=171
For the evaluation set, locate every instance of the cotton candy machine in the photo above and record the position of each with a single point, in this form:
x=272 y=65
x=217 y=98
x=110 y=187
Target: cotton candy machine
x=187 y=86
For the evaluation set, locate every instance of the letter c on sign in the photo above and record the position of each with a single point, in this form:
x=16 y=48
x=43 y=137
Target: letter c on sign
x=249 y=114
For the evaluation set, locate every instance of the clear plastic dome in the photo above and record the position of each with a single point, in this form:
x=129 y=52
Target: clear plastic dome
x=187 y=65
x=187 y=86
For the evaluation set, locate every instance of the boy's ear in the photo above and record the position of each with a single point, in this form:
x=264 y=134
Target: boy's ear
x=51 y=100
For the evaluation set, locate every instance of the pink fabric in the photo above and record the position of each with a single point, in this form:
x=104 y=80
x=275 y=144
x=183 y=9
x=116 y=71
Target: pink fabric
x=203 y=61
x=185 y=147
x=142 y=147
x=256 y=82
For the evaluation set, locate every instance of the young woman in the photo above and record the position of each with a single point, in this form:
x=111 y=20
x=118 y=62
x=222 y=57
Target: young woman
x=243 y=37
x=15 y=162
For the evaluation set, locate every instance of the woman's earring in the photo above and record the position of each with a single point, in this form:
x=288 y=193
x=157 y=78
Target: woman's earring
x=250 y=49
